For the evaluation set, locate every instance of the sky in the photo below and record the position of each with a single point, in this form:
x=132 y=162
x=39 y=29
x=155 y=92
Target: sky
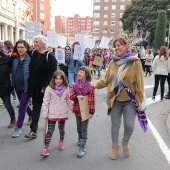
x=68 y=8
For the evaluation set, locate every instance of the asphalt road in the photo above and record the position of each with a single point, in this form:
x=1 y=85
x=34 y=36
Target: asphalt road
x=147 y=152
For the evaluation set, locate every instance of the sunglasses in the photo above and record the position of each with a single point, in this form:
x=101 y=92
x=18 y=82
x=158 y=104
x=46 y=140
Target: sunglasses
x=67 y=48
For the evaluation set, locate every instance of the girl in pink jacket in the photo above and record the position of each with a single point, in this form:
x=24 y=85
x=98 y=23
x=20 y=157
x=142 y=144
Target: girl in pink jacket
x=55 y=107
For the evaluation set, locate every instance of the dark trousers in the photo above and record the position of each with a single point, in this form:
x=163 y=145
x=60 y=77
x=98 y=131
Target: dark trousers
x=143 y=64
x=23 y=107
x=148 y=69
x=168 y=80
x=161 y=79
x=82 y=128
x=7 y=103
x=35 y=115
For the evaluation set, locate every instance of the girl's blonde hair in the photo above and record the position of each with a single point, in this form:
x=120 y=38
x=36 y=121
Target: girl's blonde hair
x=163 y=51
x=87 y=72
x=63 y=76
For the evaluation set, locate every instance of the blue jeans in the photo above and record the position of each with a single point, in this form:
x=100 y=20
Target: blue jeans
x=72 y=78
x=128 y=111
x=7 y=103
x=99 y=68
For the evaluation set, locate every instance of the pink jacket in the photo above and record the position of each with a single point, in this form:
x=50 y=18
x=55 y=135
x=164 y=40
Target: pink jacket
x=54 y=106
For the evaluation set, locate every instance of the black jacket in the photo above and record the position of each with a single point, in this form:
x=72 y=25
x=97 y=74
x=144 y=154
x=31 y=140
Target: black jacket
x=41 y=70
x=5 y=69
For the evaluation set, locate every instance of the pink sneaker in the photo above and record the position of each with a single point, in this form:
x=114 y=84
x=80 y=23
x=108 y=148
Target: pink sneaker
x=61 y=145
x=45 y=152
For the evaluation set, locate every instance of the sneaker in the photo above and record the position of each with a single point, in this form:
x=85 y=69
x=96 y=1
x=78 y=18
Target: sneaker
x=1 y=104
x=45 y=152
x=61 y=145
x=31 y=135
x=98 y=77
x=153 y=98
x=16 y=132
x=161 y=99
x=29 y=120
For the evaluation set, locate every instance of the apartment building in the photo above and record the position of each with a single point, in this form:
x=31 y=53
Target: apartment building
x=60 y=24
x=79 y=24
x=11 y=20
x=106 y=17
x=41 y=13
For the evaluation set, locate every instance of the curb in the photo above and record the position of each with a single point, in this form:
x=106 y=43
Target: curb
x=168 y=123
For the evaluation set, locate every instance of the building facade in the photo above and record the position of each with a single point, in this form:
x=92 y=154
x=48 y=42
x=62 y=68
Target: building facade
x=106 y=17
x=41 y=13
x=12 y=20
x=79 y=24
x=60 y=24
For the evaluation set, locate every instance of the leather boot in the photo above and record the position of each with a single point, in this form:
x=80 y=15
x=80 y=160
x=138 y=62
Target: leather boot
x=114 y=152
x=126 y=149
x=12 y=123
x=82 y=149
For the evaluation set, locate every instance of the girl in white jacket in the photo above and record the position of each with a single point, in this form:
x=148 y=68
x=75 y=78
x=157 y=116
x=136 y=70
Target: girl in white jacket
x=55 y=103
x=161 y=68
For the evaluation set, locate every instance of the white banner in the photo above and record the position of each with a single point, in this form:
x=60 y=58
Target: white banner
x=60 y=55
x=51 y=38
x=104 y=42
x=79 y=52
x=80 y=38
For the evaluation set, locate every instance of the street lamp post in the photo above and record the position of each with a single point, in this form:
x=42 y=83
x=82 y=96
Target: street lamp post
x=169 y=30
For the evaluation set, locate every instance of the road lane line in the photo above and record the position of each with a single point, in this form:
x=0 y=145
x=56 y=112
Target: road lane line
x=165 y=150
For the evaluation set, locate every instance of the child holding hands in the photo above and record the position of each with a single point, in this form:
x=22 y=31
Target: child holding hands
x=81 y=88
x=55 y=102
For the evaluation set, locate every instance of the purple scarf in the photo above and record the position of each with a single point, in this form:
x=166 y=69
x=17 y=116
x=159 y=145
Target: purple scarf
x=82 y=88
x=59 y=90
x=128 y=54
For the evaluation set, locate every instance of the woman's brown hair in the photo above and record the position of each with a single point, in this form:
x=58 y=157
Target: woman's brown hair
x=164 y=51
x=122 y=41
x=20 y=41
x=8 y=44
x=87 y=72
x=63 y=76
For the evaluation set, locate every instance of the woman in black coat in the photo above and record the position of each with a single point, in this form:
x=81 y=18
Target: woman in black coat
x=42 y=66
x=5 y=86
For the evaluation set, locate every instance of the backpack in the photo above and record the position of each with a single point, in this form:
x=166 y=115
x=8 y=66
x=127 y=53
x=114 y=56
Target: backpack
x=46 y=54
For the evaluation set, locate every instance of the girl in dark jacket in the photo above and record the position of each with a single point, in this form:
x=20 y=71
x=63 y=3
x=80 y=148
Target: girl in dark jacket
x=5 y=86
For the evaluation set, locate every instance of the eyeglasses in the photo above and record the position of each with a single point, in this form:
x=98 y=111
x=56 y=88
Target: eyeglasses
x=20 y=47
x=67 y=49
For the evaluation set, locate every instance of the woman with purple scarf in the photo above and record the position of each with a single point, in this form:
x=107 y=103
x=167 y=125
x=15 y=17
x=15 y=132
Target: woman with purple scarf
x=127 y=67
x=55 y=103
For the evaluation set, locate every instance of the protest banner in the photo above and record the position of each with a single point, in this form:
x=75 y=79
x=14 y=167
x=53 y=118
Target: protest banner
x=51 y=38
x=80 y=38
x=60 y=55
x=79 y=52
x=104 y=42
x=98 y=61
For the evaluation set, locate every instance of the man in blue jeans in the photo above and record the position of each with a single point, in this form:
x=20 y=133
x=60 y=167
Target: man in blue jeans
x=73 y=66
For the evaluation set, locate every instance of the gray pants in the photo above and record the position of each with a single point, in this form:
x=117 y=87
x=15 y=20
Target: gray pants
x=129 y=114
x=82 y=128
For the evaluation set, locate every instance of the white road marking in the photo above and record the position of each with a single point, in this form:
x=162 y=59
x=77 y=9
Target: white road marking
x=155 y=133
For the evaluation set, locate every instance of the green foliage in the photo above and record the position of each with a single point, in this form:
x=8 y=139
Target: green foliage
x=145 y=12
x=160 y=33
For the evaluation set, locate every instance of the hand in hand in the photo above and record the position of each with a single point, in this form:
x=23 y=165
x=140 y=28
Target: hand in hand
x=80 y=97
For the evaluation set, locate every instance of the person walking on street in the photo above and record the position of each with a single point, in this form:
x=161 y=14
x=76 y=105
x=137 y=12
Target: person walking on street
x=41 y=69
x=80 y=89
x=125 y=67
x=161 y=68
x=55 y=102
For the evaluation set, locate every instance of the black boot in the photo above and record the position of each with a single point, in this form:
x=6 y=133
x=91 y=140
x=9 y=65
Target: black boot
x=82 y=149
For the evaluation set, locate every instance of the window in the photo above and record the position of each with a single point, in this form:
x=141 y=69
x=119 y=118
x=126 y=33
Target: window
x=112 y=22
x=96 y=23
x=97 y=7
x=105 y=23
x=106 y=0
x=113 y=0
x=96 y=15
x=42 y=6
x=95 y=30
x=112 y=31
x=104 y=30
x=106 y=7
x=42 y=16
x=122 y=0
x=42 y=0
x=121 y=14
x=120 y=23
x=122 y=7
x=113 y=15
x=96 y=0
x=114 y=7
x=105 y=16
